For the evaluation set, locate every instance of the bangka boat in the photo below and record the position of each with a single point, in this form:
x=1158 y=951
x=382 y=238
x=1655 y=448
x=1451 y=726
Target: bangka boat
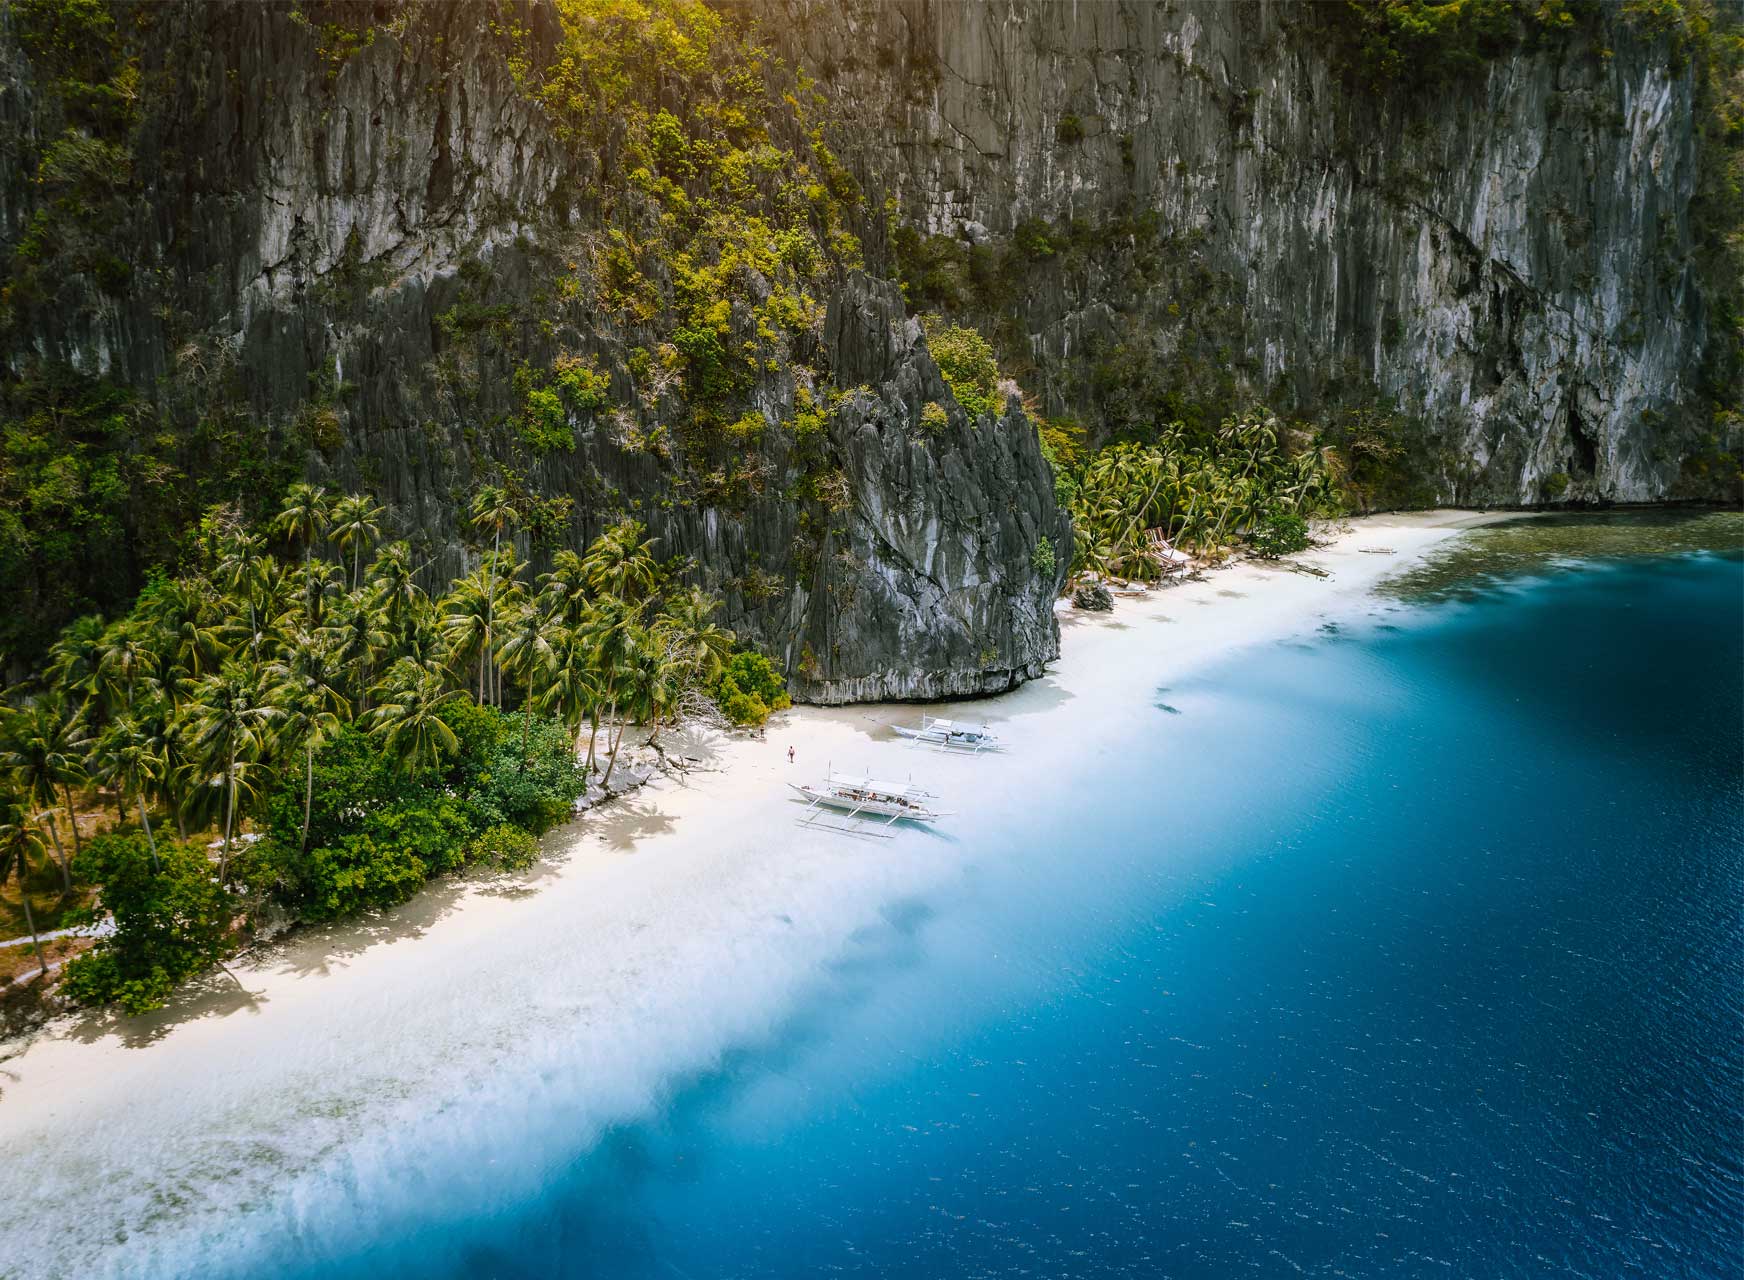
x=861 y=798
x=950 y=735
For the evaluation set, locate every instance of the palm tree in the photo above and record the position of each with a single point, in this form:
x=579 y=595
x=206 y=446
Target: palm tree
x=357 y=638
x=564 y=589
x=355 y=522
x=127 y=757
x=306 y=691
x=620 y=563
x=493 y=509
x=75 y=659
x=465 y=625
x=19 y=841
x=304 y=517
x=409 y=720
x=319 y=582
x=526 y=654
x=395 y=586
x=241 y=570
x=230 y=721
x=41 y=748
x=572 y=691
x=697 y=645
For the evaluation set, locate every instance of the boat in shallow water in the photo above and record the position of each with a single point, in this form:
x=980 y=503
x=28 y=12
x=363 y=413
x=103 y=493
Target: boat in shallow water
x=950 y=735
x=860 y=797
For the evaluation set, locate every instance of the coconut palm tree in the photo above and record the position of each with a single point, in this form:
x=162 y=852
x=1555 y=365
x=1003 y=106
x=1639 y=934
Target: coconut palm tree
x=697 y=645
x=42 y=751
x=493 y=509
x=231 y=717
x=20 y=841
x=319 y=583
x=465 y=625
x=304 y=517
x=304 y=684
x=357 y=639
x=394 y=587
x=525 y=653
x=75 y=659
x=241 y=572
x=356 y=523
x=572 y=688
x=127 y=757
x=621 y=564
x=408 y=717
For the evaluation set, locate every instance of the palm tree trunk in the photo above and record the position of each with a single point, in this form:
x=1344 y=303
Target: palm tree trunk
x=60 y=857
x=30 y=918
x=612 y=755
x=593 y=722
x=229 y=811
x=150 y=840
x=490 y=613
x=72 y=817
x=308 y=791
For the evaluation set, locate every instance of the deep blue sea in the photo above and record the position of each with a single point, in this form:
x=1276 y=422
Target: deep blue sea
x=1412 y=947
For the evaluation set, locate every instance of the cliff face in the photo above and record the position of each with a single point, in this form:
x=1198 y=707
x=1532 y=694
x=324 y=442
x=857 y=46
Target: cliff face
x=1205 y=211
x=373 y=245
x=363 y=246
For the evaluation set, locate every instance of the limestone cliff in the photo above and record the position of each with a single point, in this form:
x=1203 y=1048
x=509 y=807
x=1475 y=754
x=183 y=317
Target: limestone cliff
x=1203 y=209
x=355 y=241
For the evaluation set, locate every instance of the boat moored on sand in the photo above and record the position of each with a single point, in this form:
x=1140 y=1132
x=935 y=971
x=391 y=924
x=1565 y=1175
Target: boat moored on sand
x=861 y=797
x=950 y=735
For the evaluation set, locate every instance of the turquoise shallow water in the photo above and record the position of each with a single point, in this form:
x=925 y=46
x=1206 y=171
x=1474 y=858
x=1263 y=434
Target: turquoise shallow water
x=1411 y=947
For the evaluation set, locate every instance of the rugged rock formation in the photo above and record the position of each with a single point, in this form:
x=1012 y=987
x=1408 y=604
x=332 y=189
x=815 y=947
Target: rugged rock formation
x=1206 y=211
x=353 y=253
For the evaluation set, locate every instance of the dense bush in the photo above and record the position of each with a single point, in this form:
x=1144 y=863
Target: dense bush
x=172 y=921
x=966 y=361
x=377 y=831
x=1278 y=533
x=505 y=847
x=750 y=689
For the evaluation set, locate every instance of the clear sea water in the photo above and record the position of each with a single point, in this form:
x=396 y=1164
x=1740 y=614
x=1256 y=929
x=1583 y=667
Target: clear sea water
x=1411 y=947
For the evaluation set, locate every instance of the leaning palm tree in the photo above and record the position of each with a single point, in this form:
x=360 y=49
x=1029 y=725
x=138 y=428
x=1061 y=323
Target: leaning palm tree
x=408 y=717
x=231 y=716
x=19 y=842
x=127 y=758
x=42 y=751
x=356 y=522
x=696 y=644
x=75 y=659
x=493 y=509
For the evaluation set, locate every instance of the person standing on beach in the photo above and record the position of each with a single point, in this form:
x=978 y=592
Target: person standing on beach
x=790 y=755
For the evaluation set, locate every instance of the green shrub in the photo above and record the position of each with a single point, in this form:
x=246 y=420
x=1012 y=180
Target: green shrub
x=1043 y=559
x=545 y=422
x=587 y=389
x=1278 y=533
x=750 y=690
x=933 y=419
x=505 y=847
x=967 y=363
x=1070 y=132
x=172 y=921
x=1555 y=485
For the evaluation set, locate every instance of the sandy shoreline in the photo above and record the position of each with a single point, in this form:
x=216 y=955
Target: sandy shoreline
x=657 y=931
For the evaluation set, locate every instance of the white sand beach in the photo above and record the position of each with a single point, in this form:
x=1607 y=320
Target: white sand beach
x=658 y=931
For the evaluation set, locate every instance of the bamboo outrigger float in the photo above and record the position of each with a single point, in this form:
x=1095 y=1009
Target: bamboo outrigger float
x=860 y=799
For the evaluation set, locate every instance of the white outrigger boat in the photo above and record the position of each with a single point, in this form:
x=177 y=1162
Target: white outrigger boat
x=861 y=798
x=950 y=735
